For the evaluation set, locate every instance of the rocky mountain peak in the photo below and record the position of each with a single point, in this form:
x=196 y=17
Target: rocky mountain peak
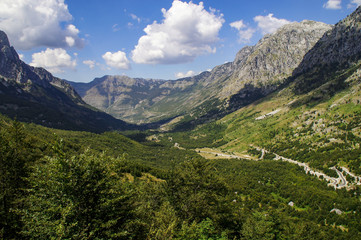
x=265 y=65
x=4 y=41
x=274 y=57
x=339 y=45
x=7 y=52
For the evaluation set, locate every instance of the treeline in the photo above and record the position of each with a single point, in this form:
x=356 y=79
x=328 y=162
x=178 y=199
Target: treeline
x=57 y=187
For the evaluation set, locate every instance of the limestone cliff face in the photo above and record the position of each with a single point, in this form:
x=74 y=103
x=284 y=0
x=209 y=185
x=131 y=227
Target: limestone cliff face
x=34 y=95
x=275 y=57
x=339 y=46
x=337 y=50
x=255 y=71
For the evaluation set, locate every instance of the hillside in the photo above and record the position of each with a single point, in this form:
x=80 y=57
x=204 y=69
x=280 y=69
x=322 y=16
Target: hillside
x=314 y=119
x=82 y=180
x=33 y=95
x=255 y=72
x=264 y=147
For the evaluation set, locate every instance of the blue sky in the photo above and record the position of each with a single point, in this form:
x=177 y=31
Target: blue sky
x=79 y=40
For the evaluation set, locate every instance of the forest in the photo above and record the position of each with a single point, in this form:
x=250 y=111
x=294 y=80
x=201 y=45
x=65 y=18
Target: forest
x=58 y=184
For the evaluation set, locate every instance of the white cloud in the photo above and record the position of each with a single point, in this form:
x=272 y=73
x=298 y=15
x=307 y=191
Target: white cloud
x=53 y=60
x=333 y=4
x=135 y=17
x=354 y=3
x=117 y=60
x=72 y=29
x=238 y=25
x=34 y=23
x=269 y=24
x=70 y=41
x=116 y=28
x=21 y=56
x=245 y=35
x=184 y=75
x=187 y=31
x=89 y=63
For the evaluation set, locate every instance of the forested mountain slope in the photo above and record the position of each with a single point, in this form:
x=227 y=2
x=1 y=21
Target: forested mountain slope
x=58 y=184
x=314 y=119
x=69 y=185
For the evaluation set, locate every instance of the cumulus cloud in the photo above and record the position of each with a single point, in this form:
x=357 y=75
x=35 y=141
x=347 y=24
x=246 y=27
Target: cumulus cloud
x=53 y=60
x=238 y=25
x=184 y=75
x=269 y=24
x=333 y=4
x=34 y=23
x=245 y=33
x=117 y=60
x=187 y=31
x=354 y=3
x=89 y=63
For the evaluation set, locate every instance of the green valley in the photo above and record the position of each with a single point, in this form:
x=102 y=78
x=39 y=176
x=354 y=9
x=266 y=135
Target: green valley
x=264 y=147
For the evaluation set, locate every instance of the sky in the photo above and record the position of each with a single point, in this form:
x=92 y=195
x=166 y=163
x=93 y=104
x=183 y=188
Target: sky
x=80 y=40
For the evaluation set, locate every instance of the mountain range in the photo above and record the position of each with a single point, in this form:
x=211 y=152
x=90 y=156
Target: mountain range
x=283 y=121
x=32 y=94
x=314 y=117
x=255 y=72
x=302 y=56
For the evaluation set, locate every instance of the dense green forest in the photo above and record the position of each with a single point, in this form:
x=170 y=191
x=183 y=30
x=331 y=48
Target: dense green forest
x=59 y=184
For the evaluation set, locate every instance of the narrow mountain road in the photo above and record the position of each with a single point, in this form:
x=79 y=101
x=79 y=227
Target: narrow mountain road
x=337 y=183
x=343 y=181
x=218 y=154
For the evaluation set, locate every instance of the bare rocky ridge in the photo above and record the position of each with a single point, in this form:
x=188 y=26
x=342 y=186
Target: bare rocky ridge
x=275 y=56
x=338 y=49
x=255 y=72
x=341 y=45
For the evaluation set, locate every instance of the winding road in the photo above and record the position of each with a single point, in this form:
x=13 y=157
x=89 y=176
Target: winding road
x=337 y=183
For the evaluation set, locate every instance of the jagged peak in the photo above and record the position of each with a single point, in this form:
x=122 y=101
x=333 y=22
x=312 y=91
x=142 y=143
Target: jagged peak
x=4 y=40
x=7 y=50
x=338 y=46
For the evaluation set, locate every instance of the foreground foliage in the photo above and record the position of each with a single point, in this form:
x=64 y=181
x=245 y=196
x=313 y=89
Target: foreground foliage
x=86 y=186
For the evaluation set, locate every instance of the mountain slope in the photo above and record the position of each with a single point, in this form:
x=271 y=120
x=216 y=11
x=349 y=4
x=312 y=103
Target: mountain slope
x=33 y=95
x=338 y=49
x=255 y=72
x=315 y=119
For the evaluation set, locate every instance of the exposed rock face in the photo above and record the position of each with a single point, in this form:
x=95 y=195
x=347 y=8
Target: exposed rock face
x=338 y=49
x=130 y=98
x=34 y=95
x=340 y=45
x=274 y=57
x=255 y=72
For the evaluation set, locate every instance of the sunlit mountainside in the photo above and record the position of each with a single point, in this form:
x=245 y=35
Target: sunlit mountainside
x=264 y=147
